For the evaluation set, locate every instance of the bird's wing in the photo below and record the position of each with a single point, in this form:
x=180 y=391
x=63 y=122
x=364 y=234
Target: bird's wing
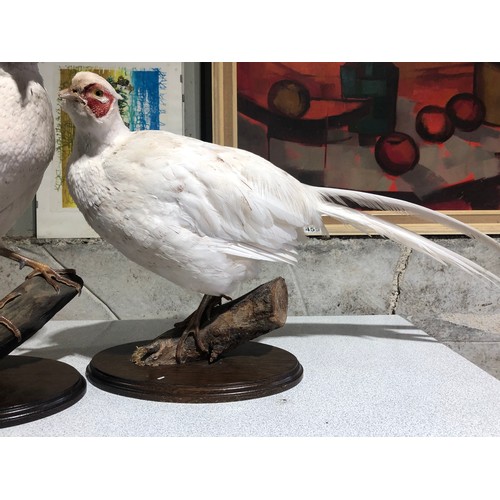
x=248 y=207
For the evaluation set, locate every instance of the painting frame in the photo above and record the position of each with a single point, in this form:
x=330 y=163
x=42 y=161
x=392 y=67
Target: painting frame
x=225 y=132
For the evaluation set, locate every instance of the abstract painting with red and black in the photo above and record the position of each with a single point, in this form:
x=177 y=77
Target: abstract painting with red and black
x=425 y=132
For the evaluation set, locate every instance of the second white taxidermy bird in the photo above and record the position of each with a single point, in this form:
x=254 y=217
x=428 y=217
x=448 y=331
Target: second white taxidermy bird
x=27 y=144
x=203 y=215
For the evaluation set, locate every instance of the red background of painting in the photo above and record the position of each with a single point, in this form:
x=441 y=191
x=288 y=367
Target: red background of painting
x=423 y=83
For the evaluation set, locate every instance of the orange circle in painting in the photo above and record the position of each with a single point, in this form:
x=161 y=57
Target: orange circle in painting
x=289 y=98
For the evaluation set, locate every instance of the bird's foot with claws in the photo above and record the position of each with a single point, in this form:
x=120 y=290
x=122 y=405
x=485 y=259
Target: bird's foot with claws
x=170 y=348
x=52 y=277
x=39 y=268
x=192 y=324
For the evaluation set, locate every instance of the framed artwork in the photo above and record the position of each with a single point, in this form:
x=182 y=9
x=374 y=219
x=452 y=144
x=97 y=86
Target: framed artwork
x=428 y=133
x=151 y=99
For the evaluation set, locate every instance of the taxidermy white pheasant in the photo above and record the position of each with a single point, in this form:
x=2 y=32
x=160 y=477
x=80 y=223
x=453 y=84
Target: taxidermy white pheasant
x=203 y=215
x=27 y=143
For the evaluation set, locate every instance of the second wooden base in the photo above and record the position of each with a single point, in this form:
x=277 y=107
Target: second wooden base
x=32 y=388
x=250 y=371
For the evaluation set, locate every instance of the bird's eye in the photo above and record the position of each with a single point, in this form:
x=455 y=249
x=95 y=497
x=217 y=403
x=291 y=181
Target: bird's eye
x=99 y=93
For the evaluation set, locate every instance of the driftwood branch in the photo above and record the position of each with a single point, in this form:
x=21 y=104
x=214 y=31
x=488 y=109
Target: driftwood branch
x=258 y=312
x=36 y=303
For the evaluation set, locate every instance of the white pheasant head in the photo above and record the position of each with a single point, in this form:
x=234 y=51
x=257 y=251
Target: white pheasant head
x=92 y=104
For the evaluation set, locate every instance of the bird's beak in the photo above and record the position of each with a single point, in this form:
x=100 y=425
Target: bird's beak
x=69 y=95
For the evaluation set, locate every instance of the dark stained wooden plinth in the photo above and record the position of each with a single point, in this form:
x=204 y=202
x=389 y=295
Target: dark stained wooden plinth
x=32 y=388
x=250 y=371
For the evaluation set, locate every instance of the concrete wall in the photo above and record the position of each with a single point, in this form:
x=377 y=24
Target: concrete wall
x=338 y=276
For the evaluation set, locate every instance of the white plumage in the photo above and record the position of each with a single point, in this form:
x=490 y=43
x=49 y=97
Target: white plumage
x=203 y=215
x=27 y=138
x=27 y=143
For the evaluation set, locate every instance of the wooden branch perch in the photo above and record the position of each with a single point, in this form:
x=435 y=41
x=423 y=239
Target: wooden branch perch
x=231 y=324
x=36 y=304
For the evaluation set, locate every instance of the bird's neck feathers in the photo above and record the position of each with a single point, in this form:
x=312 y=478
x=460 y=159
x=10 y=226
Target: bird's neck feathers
x=93 y=135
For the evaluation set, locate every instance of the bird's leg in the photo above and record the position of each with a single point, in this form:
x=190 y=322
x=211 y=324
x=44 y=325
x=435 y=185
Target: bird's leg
x=214 y=303
x=193 y=322
x=7 y=322
x=183 y=324
x=50 y=275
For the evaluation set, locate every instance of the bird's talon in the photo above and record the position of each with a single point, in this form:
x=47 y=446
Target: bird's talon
x=180 y=346
x=56 y=287
x=13 y=328
x=65 y=271
x=8 y=298
x=199 y=342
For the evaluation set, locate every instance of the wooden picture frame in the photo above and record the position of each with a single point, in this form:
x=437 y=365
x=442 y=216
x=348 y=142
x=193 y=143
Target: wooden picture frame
x=225 y=132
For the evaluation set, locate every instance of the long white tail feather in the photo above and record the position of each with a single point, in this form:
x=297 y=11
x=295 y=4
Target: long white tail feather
x=368 y=223
x=378 y=202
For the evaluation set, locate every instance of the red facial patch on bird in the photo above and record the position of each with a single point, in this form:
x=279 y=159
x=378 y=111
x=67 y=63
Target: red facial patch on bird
x=99 y=100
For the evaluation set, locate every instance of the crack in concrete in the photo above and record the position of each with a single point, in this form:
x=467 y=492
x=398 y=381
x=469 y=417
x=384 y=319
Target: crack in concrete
x=401 y=266
x=86 y=288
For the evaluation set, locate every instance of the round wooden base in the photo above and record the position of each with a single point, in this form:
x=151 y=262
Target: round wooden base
x=32 y=388
x=250 y=371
